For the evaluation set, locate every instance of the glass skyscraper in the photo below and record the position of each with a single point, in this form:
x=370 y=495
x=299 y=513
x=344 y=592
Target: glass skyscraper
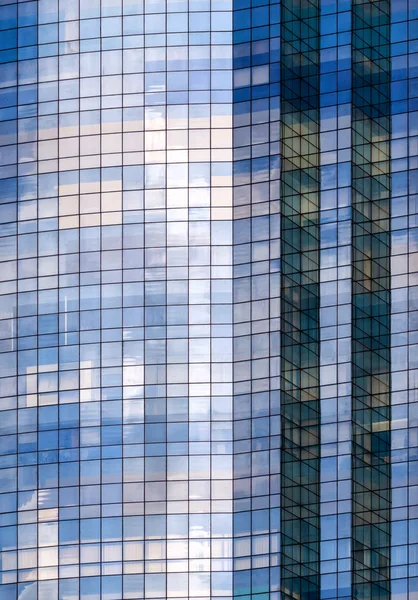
x=209 y=300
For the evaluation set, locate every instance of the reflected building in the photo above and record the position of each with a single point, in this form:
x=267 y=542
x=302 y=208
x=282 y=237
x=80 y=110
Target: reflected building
x=204 y=207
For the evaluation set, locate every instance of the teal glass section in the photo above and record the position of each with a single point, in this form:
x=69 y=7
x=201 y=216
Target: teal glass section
x=371 y=300
x=300 y=300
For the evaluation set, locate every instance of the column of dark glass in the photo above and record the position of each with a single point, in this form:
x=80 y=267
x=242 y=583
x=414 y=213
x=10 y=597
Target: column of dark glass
x=371 y=300
x=299 y=303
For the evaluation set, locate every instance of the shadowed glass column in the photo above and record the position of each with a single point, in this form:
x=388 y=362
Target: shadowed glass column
x=371 y=300
x=300 y=300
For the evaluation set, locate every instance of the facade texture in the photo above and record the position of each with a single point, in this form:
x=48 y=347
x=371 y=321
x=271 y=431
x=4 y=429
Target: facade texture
x=208 y=300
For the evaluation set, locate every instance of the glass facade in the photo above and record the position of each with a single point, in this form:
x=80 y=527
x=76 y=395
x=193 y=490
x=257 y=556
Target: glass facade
x=208 y=299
